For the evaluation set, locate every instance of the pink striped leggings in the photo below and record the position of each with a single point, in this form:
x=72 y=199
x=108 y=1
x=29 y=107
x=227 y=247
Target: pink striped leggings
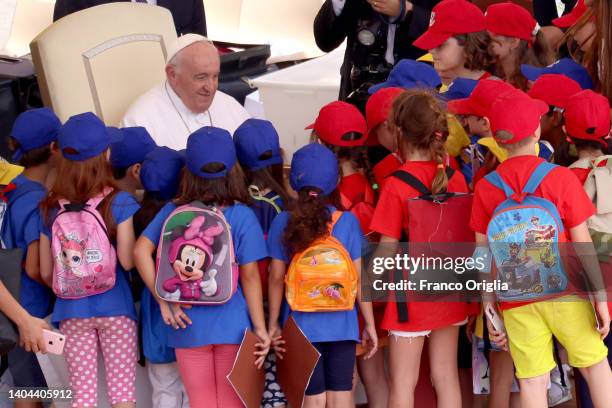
x=204 y=372
x=117 y=336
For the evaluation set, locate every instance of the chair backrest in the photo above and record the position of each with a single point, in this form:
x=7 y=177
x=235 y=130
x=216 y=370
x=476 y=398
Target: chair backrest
x=102 y=58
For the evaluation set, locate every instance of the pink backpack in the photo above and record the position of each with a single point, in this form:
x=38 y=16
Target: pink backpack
x=84 y=260
x=196 y=263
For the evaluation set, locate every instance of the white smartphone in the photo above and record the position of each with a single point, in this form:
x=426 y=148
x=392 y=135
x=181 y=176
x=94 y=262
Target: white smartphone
x=496 y=321
x=55 y=341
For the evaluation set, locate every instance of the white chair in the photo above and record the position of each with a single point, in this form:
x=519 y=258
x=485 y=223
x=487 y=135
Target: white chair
x=102 y=58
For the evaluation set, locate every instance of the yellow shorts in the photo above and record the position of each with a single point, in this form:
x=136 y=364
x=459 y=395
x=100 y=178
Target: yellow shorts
x=531 y=329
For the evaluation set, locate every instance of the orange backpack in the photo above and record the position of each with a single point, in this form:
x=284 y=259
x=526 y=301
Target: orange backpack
x=322 y=278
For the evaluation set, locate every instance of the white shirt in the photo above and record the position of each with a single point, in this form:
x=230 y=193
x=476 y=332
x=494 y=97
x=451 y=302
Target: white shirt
x=170 y=122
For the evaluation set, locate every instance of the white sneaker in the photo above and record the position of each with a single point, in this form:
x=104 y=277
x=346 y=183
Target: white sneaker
x=558 y=394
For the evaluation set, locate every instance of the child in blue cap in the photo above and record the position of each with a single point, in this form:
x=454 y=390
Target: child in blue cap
x=206 y=338
x=106 y=317
x=335 y=334
x=160 y=176
x=32 y=138
x=259 y=153
x=565 y=66
x=127 y=155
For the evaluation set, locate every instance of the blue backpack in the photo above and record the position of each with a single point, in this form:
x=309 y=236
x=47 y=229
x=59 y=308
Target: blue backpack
x=523 y=236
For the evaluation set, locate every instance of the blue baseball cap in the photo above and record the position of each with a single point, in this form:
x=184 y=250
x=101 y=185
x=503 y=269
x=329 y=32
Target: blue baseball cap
x=33 y=129
x=134 y=145
x=160 y=172
x=84 y=136
x=253 y=138
x=314 y=165
x=210 y=145
x=565 y=66
x=461 y=88
x=410 y=74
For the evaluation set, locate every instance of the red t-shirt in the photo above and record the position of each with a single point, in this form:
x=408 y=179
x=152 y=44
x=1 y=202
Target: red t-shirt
x=357 y=196
x=356 y=188
x=393 y=162
x=391 y=214
x=385 y=167
x=559 y=187
x=390 y=218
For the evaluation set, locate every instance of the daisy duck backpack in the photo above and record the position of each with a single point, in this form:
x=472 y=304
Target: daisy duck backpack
x=195 y=257
x=322 y=278
x=84 y=259
x=524 y=234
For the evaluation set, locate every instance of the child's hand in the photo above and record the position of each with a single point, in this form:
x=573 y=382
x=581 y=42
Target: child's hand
x=498 y=337
x=603 y=316
x=167 y=314
x=262 y=348
x=31 y=335
x=274 y=332
x=369 y=340
x=180 y=316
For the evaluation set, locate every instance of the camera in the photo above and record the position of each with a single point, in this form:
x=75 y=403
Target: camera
x=368 y=58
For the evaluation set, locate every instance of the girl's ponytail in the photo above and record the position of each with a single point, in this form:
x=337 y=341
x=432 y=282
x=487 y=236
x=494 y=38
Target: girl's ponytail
x=438 y=155
x=421 y=120
x=308 y=220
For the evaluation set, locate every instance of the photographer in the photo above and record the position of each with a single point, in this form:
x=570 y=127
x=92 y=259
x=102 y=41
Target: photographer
x=379 y=33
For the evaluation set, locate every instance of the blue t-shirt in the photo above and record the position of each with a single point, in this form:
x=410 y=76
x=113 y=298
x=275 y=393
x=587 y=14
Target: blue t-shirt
x=321 y=326
x=25 y=222
x=223 y=324
x=117 y=301
x=265 y=211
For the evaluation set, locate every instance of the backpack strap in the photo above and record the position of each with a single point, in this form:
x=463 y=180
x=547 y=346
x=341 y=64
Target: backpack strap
x=334 y=219
x=600 y=159
x=415 y=183
x=495 y=179
x=95 y=201
x=412 y=181
x=537 y=176
x=256 y=194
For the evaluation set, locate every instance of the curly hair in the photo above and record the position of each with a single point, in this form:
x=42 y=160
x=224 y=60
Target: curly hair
x=309 y=219
x=476 y=48
x=538 y=54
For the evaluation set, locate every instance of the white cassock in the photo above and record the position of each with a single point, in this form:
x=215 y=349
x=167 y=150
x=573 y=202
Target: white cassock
x=170 y=122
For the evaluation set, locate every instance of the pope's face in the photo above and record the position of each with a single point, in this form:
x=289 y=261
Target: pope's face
x=195 y=75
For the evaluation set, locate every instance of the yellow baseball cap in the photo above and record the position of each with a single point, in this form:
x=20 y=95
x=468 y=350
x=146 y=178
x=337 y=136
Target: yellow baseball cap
x=491 y=144
x=8 y=171
x=426 y=58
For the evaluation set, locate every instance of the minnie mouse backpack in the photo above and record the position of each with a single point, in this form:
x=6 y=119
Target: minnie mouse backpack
x=84 y=259
x=195 y=257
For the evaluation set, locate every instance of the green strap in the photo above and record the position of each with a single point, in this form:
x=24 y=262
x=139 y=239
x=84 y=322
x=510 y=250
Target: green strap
x=255 y=193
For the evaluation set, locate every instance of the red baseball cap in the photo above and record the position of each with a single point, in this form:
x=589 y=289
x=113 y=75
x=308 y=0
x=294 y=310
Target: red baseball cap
x=511 y=20
x=448 y=18
x=378 y=107
x=587 y=116
x=337 y=119
x=480 y=100
x=570 y=18
x=554 y=89
x=516 y=112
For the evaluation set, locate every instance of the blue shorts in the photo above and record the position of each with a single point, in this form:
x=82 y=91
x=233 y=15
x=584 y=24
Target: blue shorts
x=25 y=369
x=334 y=371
